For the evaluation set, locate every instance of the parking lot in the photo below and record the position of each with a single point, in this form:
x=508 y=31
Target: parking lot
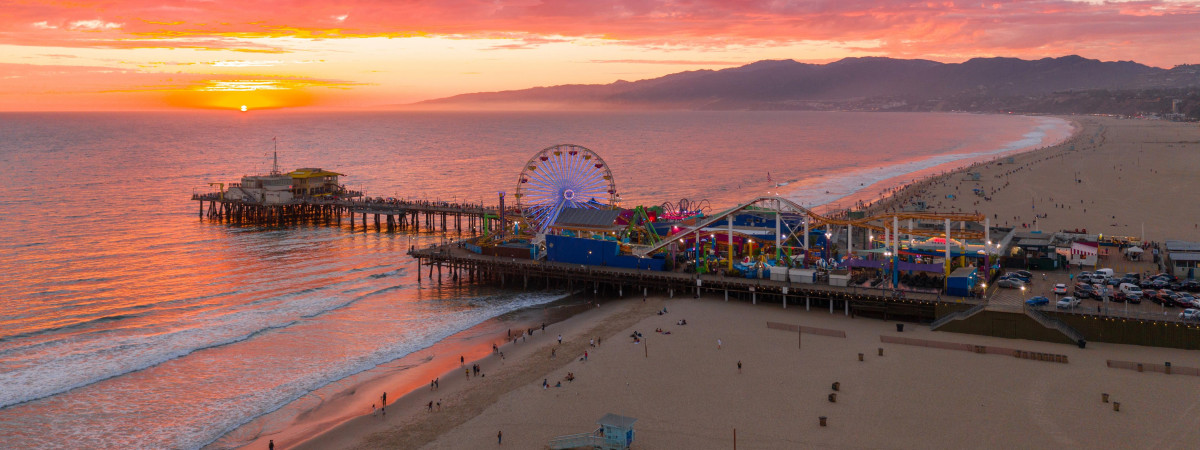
x=1014 y=299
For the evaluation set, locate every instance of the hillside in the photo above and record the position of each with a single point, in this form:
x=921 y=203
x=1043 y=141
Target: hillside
x=1068 y=84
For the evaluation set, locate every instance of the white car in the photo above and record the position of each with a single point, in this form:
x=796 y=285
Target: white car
x=1190 y=314
x=1067 y=303
x=1060 y=289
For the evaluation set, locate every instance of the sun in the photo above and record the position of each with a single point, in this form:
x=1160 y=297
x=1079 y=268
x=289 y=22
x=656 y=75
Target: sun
x=243 y=108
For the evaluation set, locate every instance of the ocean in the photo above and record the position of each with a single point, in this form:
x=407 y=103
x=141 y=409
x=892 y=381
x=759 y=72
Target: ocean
x=128 y=322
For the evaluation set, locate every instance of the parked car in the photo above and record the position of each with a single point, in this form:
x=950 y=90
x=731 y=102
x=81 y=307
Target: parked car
x=1084 y=290
x=1190 y=314
x=1134 y=275
x=1190 y=286
x=1131 y=290
x=1179 y=300
x=1118 y=297
x=1037 y=301
x=1067 y=303
x=1060 y=289
x=1023 y=273
x=1151 y=295
x=1010 y=283
x=1024 y=278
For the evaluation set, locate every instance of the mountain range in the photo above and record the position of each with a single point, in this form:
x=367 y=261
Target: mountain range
x=1068 y=84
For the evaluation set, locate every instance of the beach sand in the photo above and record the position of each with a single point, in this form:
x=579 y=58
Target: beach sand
x=1131 y=172
x=409 y=423
x=689 y=394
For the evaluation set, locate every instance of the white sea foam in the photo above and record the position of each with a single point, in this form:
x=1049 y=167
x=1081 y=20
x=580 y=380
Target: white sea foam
x=831 y=188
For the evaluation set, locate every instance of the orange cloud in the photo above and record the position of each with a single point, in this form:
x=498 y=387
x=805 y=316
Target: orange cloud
x=1161 y=32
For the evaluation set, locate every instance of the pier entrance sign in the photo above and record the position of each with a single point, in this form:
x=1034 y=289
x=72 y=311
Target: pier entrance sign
x=563 y=176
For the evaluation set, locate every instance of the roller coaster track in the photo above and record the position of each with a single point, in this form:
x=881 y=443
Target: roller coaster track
x=788 y=207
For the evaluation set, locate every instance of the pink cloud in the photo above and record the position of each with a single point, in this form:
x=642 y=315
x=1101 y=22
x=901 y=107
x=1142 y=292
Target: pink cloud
x=1152 y=31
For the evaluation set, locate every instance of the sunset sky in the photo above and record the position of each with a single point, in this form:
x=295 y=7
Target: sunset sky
x=148 y=54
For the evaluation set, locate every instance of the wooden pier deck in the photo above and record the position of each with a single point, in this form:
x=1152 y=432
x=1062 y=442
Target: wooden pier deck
x=387 y=215
x=463 y=265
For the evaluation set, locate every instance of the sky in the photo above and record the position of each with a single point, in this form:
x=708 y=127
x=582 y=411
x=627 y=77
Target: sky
x=58 y=55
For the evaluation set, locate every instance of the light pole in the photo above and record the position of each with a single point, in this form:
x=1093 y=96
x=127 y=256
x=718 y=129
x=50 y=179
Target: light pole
x=1023 y=304
x=828 y=255
x=983 y=295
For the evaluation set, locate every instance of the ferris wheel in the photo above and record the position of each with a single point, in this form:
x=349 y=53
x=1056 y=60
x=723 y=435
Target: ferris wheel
x=563 y=176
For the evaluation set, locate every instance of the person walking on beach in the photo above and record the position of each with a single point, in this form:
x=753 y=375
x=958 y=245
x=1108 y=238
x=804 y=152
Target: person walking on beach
x=718 y=343
x=271 y=445
x=437 y=383
x=560 y=339
x=468 y=373
x=383 y=402
x=499 y=437
x=585 y=355
x=431 y=406
x=461 y=361
x=739 y=366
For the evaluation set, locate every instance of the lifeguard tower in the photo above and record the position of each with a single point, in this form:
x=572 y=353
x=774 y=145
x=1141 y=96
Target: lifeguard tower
x=615 y=433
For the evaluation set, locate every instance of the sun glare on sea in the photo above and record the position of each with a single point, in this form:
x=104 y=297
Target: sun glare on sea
x=243 y=108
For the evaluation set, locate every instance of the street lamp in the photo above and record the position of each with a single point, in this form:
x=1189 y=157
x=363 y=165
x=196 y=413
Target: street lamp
x=983 y=296
x=828 y=236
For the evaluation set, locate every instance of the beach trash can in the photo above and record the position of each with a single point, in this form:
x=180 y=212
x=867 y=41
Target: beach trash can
x=822 y=419
x=837 y=386
x=1104 y=397
x=899 y=328
x=833 y=398
x=1082 y=343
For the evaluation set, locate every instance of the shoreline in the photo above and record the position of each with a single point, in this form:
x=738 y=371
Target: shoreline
x=411 y=424
x=869 y=197
x=341 y=401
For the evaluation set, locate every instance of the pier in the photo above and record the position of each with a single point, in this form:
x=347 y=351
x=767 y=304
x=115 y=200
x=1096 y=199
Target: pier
x=464 y=266
x=414 y=216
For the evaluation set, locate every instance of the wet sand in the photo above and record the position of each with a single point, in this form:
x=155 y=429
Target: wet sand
x=410 y=424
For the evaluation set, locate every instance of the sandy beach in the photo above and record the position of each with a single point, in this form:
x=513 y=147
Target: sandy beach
x=687 y=393
x=1112 y=177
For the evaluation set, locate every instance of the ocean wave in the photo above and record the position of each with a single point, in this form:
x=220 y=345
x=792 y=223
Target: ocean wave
x=417 y=339
x=830 y=189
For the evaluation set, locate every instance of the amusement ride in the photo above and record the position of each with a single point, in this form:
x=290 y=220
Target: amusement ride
x=563 y=176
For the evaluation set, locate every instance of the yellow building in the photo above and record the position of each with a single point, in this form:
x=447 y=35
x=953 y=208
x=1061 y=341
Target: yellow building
x=314 y=182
